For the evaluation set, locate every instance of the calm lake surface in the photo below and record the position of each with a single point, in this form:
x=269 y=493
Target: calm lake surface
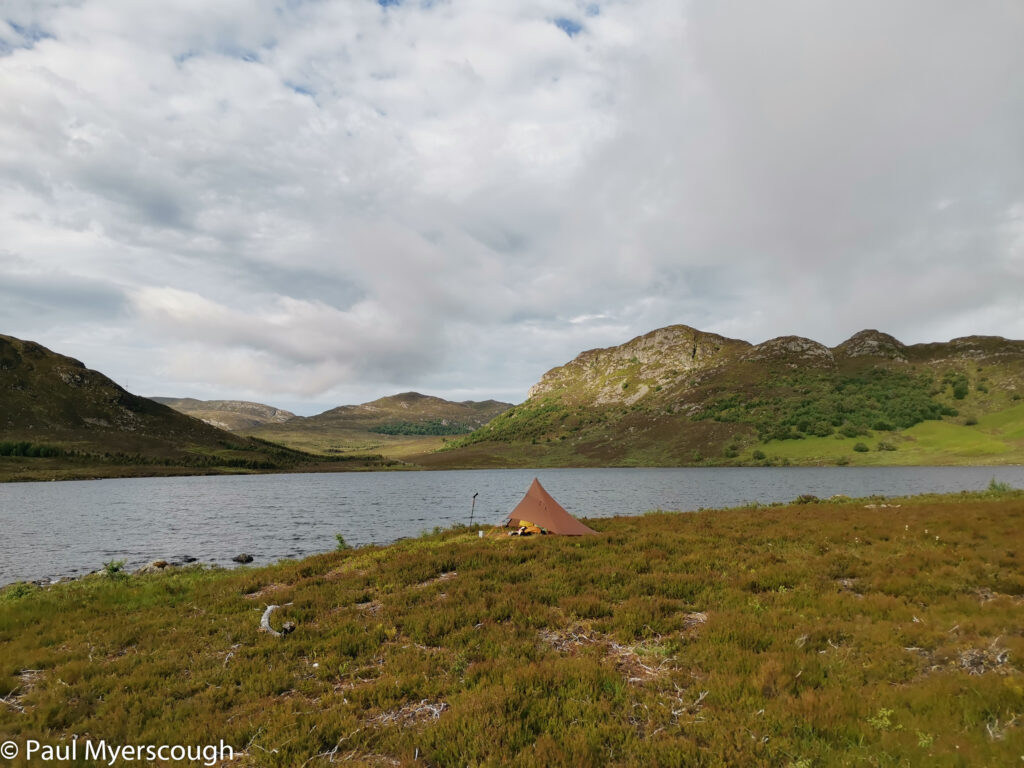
x=48 y=530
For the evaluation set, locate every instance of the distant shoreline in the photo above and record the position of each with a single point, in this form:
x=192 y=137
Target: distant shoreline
x=100 y=472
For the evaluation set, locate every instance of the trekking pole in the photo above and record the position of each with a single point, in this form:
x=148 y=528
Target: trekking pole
x=472 y=508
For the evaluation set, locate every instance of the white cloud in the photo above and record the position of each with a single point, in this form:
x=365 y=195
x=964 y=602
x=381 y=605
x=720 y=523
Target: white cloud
x=335 y=200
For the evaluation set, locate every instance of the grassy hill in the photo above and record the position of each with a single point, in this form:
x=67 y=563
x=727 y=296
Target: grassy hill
x=59 y=419
x=839 y=633
x=680 y=396
x=394 y=426
x=231 y=415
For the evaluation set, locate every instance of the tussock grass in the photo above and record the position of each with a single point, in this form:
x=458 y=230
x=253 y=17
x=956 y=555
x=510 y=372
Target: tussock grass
x=814 y=634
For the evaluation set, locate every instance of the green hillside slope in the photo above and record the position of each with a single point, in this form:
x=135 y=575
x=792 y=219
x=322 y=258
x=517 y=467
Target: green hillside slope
x=680 y=396
x=59 y=419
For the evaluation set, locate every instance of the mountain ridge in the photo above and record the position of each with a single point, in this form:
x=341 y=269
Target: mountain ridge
x=678 y=395
x=674 y=396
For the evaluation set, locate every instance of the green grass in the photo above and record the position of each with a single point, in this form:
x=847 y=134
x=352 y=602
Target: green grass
x=1008 y=424
x=952 y=439
x=872 y=632
x=931 y=442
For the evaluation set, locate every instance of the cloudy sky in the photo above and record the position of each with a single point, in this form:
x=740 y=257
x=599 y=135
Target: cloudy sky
x=316 y=203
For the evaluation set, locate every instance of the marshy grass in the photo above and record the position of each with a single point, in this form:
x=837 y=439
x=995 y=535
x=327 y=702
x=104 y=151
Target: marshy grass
x=869 y=632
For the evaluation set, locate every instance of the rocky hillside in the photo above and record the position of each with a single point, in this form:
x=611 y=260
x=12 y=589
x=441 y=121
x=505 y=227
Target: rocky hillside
x=232 y=415
x=678 y=395
x=602 y=377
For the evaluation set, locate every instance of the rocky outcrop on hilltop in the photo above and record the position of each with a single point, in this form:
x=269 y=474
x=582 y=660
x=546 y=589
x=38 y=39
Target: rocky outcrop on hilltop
x=678 y=367
x=978 y=347
x=871 y=343
x=793 y=349
x=628 y=372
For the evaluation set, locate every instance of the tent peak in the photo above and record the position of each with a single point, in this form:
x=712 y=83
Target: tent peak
x=539 y=508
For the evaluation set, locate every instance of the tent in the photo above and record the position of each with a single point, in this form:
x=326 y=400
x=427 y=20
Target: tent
x=538 y=509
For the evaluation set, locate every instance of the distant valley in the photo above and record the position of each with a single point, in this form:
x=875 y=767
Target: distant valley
x=395 y=426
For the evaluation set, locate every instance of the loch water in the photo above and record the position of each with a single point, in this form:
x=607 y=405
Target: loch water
x=51 y=530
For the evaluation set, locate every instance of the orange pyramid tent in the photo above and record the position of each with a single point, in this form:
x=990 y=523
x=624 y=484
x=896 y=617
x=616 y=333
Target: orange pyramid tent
x=539 y=509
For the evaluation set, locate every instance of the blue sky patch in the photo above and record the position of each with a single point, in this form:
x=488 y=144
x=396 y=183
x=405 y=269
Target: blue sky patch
x=30 y=35
x=569 y=26
x=300 y=89
x=33 y=33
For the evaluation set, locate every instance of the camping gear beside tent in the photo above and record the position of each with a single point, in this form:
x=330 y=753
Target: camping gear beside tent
x=539 y=509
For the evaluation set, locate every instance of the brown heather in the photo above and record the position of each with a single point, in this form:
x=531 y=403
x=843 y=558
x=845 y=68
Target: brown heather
x=866 y=632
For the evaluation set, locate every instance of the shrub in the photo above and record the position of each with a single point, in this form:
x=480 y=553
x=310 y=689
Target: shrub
x=842 y=461
x=970 y=421
x=17 y=590
x=883 y=721
x=731 y=452
x=861 y=448
x=998 y=486
x=791 y=406
x=30 y=450
x=342 y=544
x=758 y=456
x=114 y=569
x=429 y=427
x=884 y=446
